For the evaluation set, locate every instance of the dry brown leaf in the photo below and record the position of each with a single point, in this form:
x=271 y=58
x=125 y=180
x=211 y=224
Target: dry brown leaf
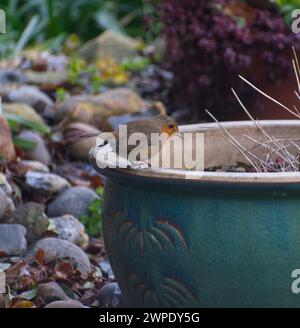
x=40 y=255
x=23 y=305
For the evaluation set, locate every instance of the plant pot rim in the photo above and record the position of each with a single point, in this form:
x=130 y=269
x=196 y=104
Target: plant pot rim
x=185 y=176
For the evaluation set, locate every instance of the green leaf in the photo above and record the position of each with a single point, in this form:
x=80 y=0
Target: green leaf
x=39 y=127
x=24 y=144
x=135 y=64
x=26 y=35
x=68 y=291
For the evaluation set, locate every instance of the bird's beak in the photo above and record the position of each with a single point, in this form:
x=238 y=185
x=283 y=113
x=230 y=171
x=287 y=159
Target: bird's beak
x=170 y=131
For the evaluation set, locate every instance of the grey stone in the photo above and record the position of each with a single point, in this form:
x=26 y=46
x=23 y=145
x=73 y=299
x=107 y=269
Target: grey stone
x=65 y=305
x=56 y=78
x=69 y=228
x=110 y=296
x=34 y=166
x=48 y=182
x=51 y=292
x=31 y=96
x=12 y=239
x=3 y=203
x=78 y=200
x=106 y=269
x=32 y=217
x=11 y=76
x=4 y=185
x=110 y=44
x=55 y=248
x=40 y=152
x=79 y=148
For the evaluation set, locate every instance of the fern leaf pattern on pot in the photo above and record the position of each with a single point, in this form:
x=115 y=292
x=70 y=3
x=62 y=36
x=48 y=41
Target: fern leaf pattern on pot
x=154 y=234
x=170 y=293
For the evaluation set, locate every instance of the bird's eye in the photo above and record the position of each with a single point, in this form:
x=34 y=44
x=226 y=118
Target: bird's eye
x=171 y=126
x=105 y=142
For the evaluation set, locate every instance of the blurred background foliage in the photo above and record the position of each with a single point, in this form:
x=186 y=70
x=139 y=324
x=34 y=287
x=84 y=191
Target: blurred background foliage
x=209 y=43
x=52 y=21
x=287 y=6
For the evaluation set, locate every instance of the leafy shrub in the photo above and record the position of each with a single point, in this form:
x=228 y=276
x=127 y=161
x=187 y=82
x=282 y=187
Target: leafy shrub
x=93 y=221
x=287 y=6
x=42 y=20
x=210 y=42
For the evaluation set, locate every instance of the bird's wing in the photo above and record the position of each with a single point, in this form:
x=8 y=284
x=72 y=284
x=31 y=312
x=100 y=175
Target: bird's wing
x=143 y=126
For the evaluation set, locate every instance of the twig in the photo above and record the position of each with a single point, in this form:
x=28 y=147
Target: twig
x=269 y=97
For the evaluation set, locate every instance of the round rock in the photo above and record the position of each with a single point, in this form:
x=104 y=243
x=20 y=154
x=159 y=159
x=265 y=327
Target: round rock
x=65 y=305
x=51 y=292
x=40 y=152
x=69 y=228
x=3 y=203
x=32 y=217
x=12 y=239
x=78 y=200
x=55 y=248
x=110 y=296
x=48 y=182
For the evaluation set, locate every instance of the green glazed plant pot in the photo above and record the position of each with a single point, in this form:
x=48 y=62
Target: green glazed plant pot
x=179 y=238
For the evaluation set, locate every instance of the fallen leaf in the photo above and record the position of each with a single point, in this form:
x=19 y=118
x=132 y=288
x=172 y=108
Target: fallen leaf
x=40 y=256
x=13 y=272
x=23 y=305
x=64 y=270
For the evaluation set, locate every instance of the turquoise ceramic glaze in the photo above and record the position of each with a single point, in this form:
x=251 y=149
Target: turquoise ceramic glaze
x=221 y=240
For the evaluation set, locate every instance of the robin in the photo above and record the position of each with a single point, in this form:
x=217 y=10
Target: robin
x=161 y=125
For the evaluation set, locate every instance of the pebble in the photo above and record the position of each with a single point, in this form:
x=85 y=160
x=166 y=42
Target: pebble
x=12 y=239
x=3 y=203
x=32 y=217
x=4 y=185
x=106 y=269
x=7 y=149
x=79 y=148
x=109 y=44
x=78 y=199
x=48 y=182
x=24 y=111
x=49 y=78
x=31 y=96
x=110 y=296
x=51 y=292
x=11 y=76
x=65 y=305
x=69 y=228
x=58 y=248
x=34 y=166
x=40 y=152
